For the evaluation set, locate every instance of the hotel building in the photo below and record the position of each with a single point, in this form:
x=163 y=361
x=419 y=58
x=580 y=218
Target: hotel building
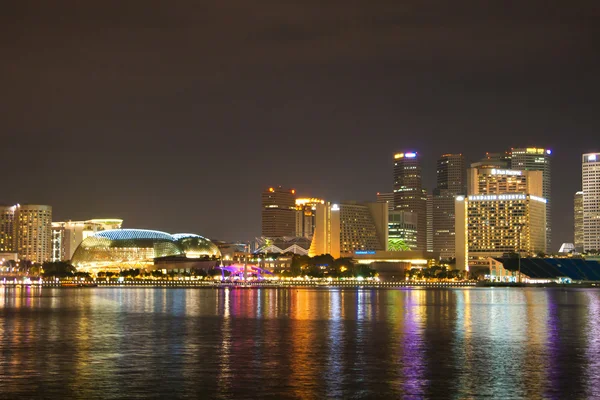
x=33 y=224
x=409 y=194
x=504 y=212
x=495 y=224
x=590 y=183
x=278 y=212
x=346 y=228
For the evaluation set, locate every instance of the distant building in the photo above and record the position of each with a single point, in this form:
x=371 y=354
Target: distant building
x=578 y=221
x=296 y=245
x=278 y=212
x=402 y=230
x=386 y=198
x=8 y=238
x=305 y=216
x=567 y=248
x=66 y=236
x=409 y=194
x=342 y=229
x=429 y=223
x=495 y=224
x=33 y=225
x=590 y=183
x=537 y=159
x=485 y=180
x=451 y=182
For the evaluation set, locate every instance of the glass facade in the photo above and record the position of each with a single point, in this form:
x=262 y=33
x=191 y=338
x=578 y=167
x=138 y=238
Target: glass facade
x=137 y=248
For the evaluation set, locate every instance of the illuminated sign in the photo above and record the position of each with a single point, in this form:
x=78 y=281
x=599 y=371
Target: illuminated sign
x=410 y=155
x=492 y=197
x=506 y=172
x=592 y=157
x=548 y=151
x=460 y=198
x=360 y=252
x=538 y=199
x=335 y=207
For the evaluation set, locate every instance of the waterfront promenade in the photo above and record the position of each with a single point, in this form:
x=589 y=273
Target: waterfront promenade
x=236 y=285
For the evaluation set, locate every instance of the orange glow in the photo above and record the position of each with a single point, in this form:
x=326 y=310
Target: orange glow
x=271 y=189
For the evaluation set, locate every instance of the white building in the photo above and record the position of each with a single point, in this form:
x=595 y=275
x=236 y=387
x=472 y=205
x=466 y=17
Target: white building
x=590 y=183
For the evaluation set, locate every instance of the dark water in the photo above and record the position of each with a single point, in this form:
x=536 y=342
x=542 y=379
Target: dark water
x=306 y=343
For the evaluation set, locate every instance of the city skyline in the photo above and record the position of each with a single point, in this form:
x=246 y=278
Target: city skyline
x=162 y=118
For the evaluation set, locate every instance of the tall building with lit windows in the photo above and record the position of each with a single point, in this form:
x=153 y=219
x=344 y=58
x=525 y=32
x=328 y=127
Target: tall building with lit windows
x=492 y=225
x=344 y=229
x=305 y=216
x=451 y=182
x=578 y=214
x=8 y=238
x=388 y=198
x=67 y=235
x=504 y=212
x=590 y=184
x=409 y=194
x=33 y=227
x=278 y=212
x=537 y=159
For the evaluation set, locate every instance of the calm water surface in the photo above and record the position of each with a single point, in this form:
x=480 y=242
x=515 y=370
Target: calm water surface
x=300 y=343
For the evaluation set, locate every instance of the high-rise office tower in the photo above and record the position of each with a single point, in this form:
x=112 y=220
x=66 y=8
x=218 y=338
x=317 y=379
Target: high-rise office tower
x=578 y=242
x=451 y=182
x=33 y=225
x=537 y=159
x=409 y=194
x=590 y=183
x=278 y=212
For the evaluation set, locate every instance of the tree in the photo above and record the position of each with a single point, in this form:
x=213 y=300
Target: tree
x=58 y=269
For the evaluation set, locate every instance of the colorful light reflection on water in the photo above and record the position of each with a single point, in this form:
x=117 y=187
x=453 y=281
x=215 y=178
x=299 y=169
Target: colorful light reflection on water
x=300 y=343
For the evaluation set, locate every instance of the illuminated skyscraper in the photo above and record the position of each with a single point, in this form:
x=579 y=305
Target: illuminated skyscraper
x=578 y=242
x=537 y=159
x=495 y=224
x=590 y=183
x=278 y=212
x=451 y=182
x=305 y=216
x=409 y=194
x=7 y=229
x=34 y=232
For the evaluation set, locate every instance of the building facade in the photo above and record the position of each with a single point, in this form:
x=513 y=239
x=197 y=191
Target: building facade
x=537 y=159
x=343 y=229
x=409 y=194
x=451 y=182
x=66 y=236
x=278 y=212
x=305 y=216
x=402 y=231
x=590 y=184
x=386 y=198
x=578 y=228
x=8 y=238
x=33 y=227
x=495 y=224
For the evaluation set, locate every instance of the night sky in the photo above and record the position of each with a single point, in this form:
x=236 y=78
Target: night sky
x=176 y=115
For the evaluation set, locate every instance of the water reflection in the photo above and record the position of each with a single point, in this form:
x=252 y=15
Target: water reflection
x=301 y=343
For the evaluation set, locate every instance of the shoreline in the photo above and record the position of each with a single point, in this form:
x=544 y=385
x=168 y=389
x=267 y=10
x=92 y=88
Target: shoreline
x=291 y=284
